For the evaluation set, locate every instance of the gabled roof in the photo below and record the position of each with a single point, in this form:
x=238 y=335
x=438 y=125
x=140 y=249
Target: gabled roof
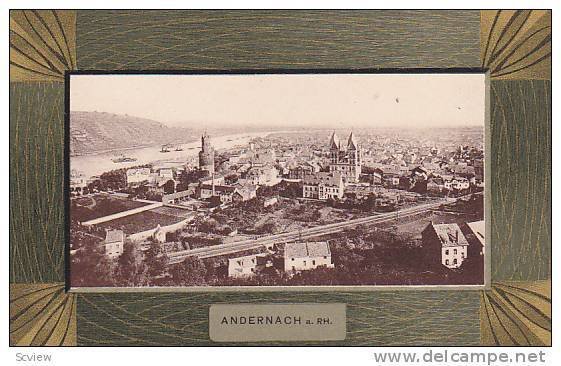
x=329 y=179
x=478 y=228
x=449 y=235
x=114 y=235
x=309 y=249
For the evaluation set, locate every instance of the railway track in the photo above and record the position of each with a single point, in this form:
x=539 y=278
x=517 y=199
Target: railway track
x=230 y=248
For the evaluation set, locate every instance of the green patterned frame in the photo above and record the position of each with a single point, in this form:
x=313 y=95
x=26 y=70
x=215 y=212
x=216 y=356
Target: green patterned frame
x=514 y=45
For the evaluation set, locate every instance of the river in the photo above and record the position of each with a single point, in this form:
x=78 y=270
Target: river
x=95 y=164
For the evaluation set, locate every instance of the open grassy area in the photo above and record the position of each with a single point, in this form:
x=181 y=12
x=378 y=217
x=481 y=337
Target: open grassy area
x=99 y=205
x=141 y=221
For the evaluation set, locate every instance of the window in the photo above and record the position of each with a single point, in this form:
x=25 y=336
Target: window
x=314 y=263
x=455 y=261
x=304 y=262
x=447 y=252
x=447 y=262
x=455 y=251
x=292 y=259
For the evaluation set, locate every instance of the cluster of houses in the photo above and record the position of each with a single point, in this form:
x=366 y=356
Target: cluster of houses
x=444 y=244
x=299 y=256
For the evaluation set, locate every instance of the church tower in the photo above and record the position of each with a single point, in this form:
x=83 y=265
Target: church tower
x=206 y=155
x=334 y=148
x=354 y=156
x=346 y=160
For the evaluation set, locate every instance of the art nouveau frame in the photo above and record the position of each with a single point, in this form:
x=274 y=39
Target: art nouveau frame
x=515 y=46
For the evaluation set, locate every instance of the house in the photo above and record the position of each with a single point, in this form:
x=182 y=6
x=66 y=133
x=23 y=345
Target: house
x=270 y=201
x=455 y=183
x=377 y=176
x=306 y=256
x=248 y=265
x=260 y=158
x=114 y=243
x=435 y=185
x=446 y=244
x=266 y=175
x=138 y=175
x=300 y=171
x=419 y=172
x=166 y=173
x=476 y=237
x=323 y=186
x=215 y=178
x=244 y=193
x=225 y=193
x=78 y=181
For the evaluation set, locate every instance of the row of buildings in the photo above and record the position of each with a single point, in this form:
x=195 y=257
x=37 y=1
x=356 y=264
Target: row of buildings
x=444 y=244
x=299 y=256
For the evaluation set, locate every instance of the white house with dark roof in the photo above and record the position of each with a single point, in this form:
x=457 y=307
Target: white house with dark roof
x=446 y=244
x=306 y=256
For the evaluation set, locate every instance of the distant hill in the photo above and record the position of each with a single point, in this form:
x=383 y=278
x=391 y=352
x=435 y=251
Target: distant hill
x=92 y=132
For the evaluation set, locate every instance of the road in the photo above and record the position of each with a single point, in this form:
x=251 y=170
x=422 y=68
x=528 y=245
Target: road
x=238 y=246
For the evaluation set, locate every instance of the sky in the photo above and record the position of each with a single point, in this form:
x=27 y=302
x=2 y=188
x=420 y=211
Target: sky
x=310 y=100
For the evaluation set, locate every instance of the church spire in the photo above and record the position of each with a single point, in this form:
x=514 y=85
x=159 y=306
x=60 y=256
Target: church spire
x=334 y=143
x=352 y=145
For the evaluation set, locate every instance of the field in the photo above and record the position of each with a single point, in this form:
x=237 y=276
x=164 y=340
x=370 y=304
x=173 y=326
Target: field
x=143 y=221
x=99 y=205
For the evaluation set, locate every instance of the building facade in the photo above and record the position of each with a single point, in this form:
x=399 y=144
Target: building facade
x=306 y=256
x=446 y=244
x=114 y=243
x=323 y=186
x=346 y=160
x=138 y=175
x=248 y=265
x=206 y=155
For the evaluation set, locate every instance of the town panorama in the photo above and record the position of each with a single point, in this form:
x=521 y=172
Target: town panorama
x=282 y=207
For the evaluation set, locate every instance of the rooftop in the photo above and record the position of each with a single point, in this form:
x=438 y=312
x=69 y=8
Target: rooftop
x=114 y=235
x=478 y=228
x=330 y=179
x=450 y=235
x=308 y=249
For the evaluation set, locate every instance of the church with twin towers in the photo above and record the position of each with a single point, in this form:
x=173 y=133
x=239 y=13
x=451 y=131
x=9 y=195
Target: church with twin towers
x=345 y=158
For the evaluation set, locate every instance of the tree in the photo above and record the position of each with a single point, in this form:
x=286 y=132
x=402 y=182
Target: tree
x=90 y=267
x=188 y=177
x=191 y=272
x=156 y=260
x=169 y=187
x=131 y=270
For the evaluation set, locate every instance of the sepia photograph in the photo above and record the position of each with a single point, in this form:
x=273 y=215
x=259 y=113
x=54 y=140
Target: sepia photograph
x=276 y=180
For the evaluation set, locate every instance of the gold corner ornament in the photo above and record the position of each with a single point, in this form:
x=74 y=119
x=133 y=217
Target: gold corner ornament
x=516 y=314
x=42 y=315
x=42 y=44
x=516 y=44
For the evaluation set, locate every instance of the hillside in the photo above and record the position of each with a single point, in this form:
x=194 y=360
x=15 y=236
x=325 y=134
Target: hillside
x=92 y=132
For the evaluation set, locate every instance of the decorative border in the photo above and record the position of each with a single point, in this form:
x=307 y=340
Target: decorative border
x=514 y=45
